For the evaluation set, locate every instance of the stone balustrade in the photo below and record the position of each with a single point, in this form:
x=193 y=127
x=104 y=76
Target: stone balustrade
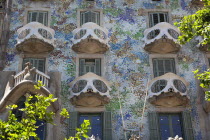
x=34 y=75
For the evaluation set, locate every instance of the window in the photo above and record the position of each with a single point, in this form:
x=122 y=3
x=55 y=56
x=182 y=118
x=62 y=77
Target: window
x=90 y=65
x=38 y=16
x=170 y=125
x=164 y=125
x=19 y=115
x=163 y=65
x=89 y=16
x=96 y=122
x=35 y=62
x=100 y=123
x=155 y=18
x=2 y=4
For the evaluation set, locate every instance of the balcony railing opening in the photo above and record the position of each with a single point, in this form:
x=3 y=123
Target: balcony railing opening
x=153 y=34
x=44 y=33
x=159 y=85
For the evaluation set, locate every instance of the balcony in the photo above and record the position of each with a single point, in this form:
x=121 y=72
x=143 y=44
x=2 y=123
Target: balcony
x=161 y=38
x=89 y=90
x=197 y=3
x=168 y=90
x=24 y=81
x=90 y=38
x=204 y=48
x=34 y=37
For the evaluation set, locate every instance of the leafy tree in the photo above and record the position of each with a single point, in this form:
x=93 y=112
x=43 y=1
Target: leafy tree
x=195 y=25
x=24 y=129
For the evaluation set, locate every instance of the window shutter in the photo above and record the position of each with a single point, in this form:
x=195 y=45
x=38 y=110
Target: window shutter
x=98 y=66
x=81 y=66
x=107 y=126
x=187 y=125
x=153 y=126
x=72 y=124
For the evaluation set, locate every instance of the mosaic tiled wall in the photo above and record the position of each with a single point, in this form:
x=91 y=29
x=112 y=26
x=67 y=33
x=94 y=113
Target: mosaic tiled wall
x=128 y=68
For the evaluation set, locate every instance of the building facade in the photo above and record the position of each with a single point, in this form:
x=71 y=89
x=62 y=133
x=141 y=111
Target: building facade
x=114 y=62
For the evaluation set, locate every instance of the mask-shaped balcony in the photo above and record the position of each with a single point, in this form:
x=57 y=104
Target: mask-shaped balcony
x=89 y=90
x=161 y=38
x=197 y=3
x=34 y=37
x=168 y=90
x=90 y=38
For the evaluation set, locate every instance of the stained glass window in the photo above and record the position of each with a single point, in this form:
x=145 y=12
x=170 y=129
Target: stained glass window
x=170 y=125
x=96 y=122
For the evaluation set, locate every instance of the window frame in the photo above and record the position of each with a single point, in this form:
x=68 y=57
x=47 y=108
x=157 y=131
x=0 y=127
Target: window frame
x=38 y=12
x=151 y=23
x=35 y=56
x=157 y=11
x=40 y=9
x=93 y=10
x=35 y=59
x=85 y=65
x=90 y=56
x=161 y=56
x=171 y=110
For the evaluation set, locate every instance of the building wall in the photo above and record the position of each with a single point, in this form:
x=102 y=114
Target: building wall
x=126 y=65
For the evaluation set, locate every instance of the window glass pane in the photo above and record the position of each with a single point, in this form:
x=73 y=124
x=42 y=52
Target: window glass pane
x=37 y=63
x=41 y=130
x=38 y=16
x=155 y=18
x=164 y=132
x=176 y=122
x=170 y=125
x=162 y=66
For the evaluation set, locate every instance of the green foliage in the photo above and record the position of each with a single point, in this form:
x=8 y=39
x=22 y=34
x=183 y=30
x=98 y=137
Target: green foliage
x=204 y=81
x=64 y=113
x=194 y=25
x=81 y=132
x=36 y=108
